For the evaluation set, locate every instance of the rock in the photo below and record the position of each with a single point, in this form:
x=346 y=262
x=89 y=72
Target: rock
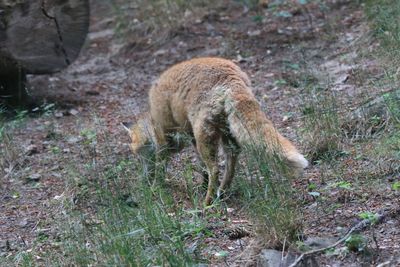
x=73 y=140
x=254 y=33
x=319 y=242
x=23 y=223
x=73 y=112
x=160 y=52
x=39 y=49
x=32 y=149
x=5 y=245
x=188 y=13
x=273 y=258
x=58 y=114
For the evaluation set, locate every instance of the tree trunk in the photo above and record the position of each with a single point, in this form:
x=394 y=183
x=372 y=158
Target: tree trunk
x=42 y=36
x=38 y=37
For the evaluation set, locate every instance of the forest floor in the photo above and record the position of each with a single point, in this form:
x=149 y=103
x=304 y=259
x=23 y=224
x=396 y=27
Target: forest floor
x=283 y=50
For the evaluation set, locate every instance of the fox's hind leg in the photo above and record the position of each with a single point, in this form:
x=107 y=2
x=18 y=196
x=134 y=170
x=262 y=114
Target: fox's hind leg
x=201 y=168
x=231 y=151
x=207 y=140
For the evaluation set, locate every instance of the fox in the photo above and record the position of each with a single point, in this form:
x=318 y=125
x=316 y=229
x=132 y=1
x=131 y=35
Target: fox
x=211 y=100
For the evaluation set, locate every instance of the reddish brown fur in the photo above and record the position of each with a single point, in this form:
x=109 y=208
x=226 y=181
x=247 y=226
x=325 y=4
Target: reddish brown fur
x=211 y=99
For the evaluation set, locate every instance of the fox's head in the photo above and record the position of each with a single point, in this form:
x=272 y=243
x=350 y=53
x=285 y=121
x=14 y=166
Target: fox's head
x=141 y=134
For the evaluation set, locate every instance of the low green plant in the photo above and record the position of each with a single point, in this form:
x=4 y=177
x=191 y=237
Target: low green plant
x=370 y=216
x=89 y=136
x=356 y=243
x=396 y=186
x=343 y=185
x=392 y=101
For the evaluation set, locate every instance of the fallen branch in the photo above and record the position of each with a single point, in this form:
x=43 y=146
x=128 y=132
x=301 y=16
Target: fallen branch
x=358 y=227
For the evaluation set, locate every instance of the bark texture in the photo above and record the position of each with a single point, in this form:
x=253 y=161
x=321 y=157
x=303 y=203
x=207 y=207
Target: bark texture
x=41 y=36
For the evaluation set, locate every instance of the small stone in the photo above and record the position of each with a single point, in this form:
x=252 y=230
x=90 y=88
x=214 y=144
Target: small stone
x=56 y=174
x=32 y=149
x=58 y=114
x=59 y=197
x=273 y=258
x=319 y=242
x=240 y=59
x=73 y=112
x=73 y=140
x=182 y=44
x=23 y=223
x=285 y=118
x=160 y=52
x=34 y=177
x=230 y=210
x=254 y=33
x=188 y=13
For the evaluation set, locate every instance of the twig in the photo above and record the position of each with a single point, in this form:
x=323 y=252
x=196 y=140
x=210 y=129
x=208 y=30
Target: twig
x=283 y=249
x=374 y=238
x=359 y=226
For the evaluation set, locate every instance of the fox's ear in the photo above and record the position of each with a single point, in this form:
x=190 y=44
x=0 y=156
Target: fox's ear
x=127 y=126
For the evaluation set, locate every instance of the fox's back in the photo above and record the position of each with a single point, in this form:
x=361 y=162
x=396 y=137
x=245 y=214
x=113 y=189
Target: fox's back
x=188 y=87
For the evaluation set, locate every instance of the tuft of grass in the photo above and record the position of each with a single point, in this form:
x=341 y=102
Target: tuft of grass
x=322 y=129
x=265 y=191
x=9 y=151
x=385 y=25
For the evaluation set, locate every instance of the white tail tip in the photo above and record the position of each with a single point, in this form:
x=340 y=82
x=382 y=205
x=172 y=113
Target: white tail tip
x=298 y=160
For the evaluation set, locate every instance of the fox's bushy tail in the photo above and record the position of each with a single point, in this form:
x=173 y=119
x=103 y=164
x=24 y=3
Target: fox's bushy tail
x=249 y=126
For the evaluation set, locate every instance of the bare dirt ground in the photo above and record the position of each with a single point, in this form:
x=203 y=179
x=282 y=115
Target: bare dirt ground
x=108 y=84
